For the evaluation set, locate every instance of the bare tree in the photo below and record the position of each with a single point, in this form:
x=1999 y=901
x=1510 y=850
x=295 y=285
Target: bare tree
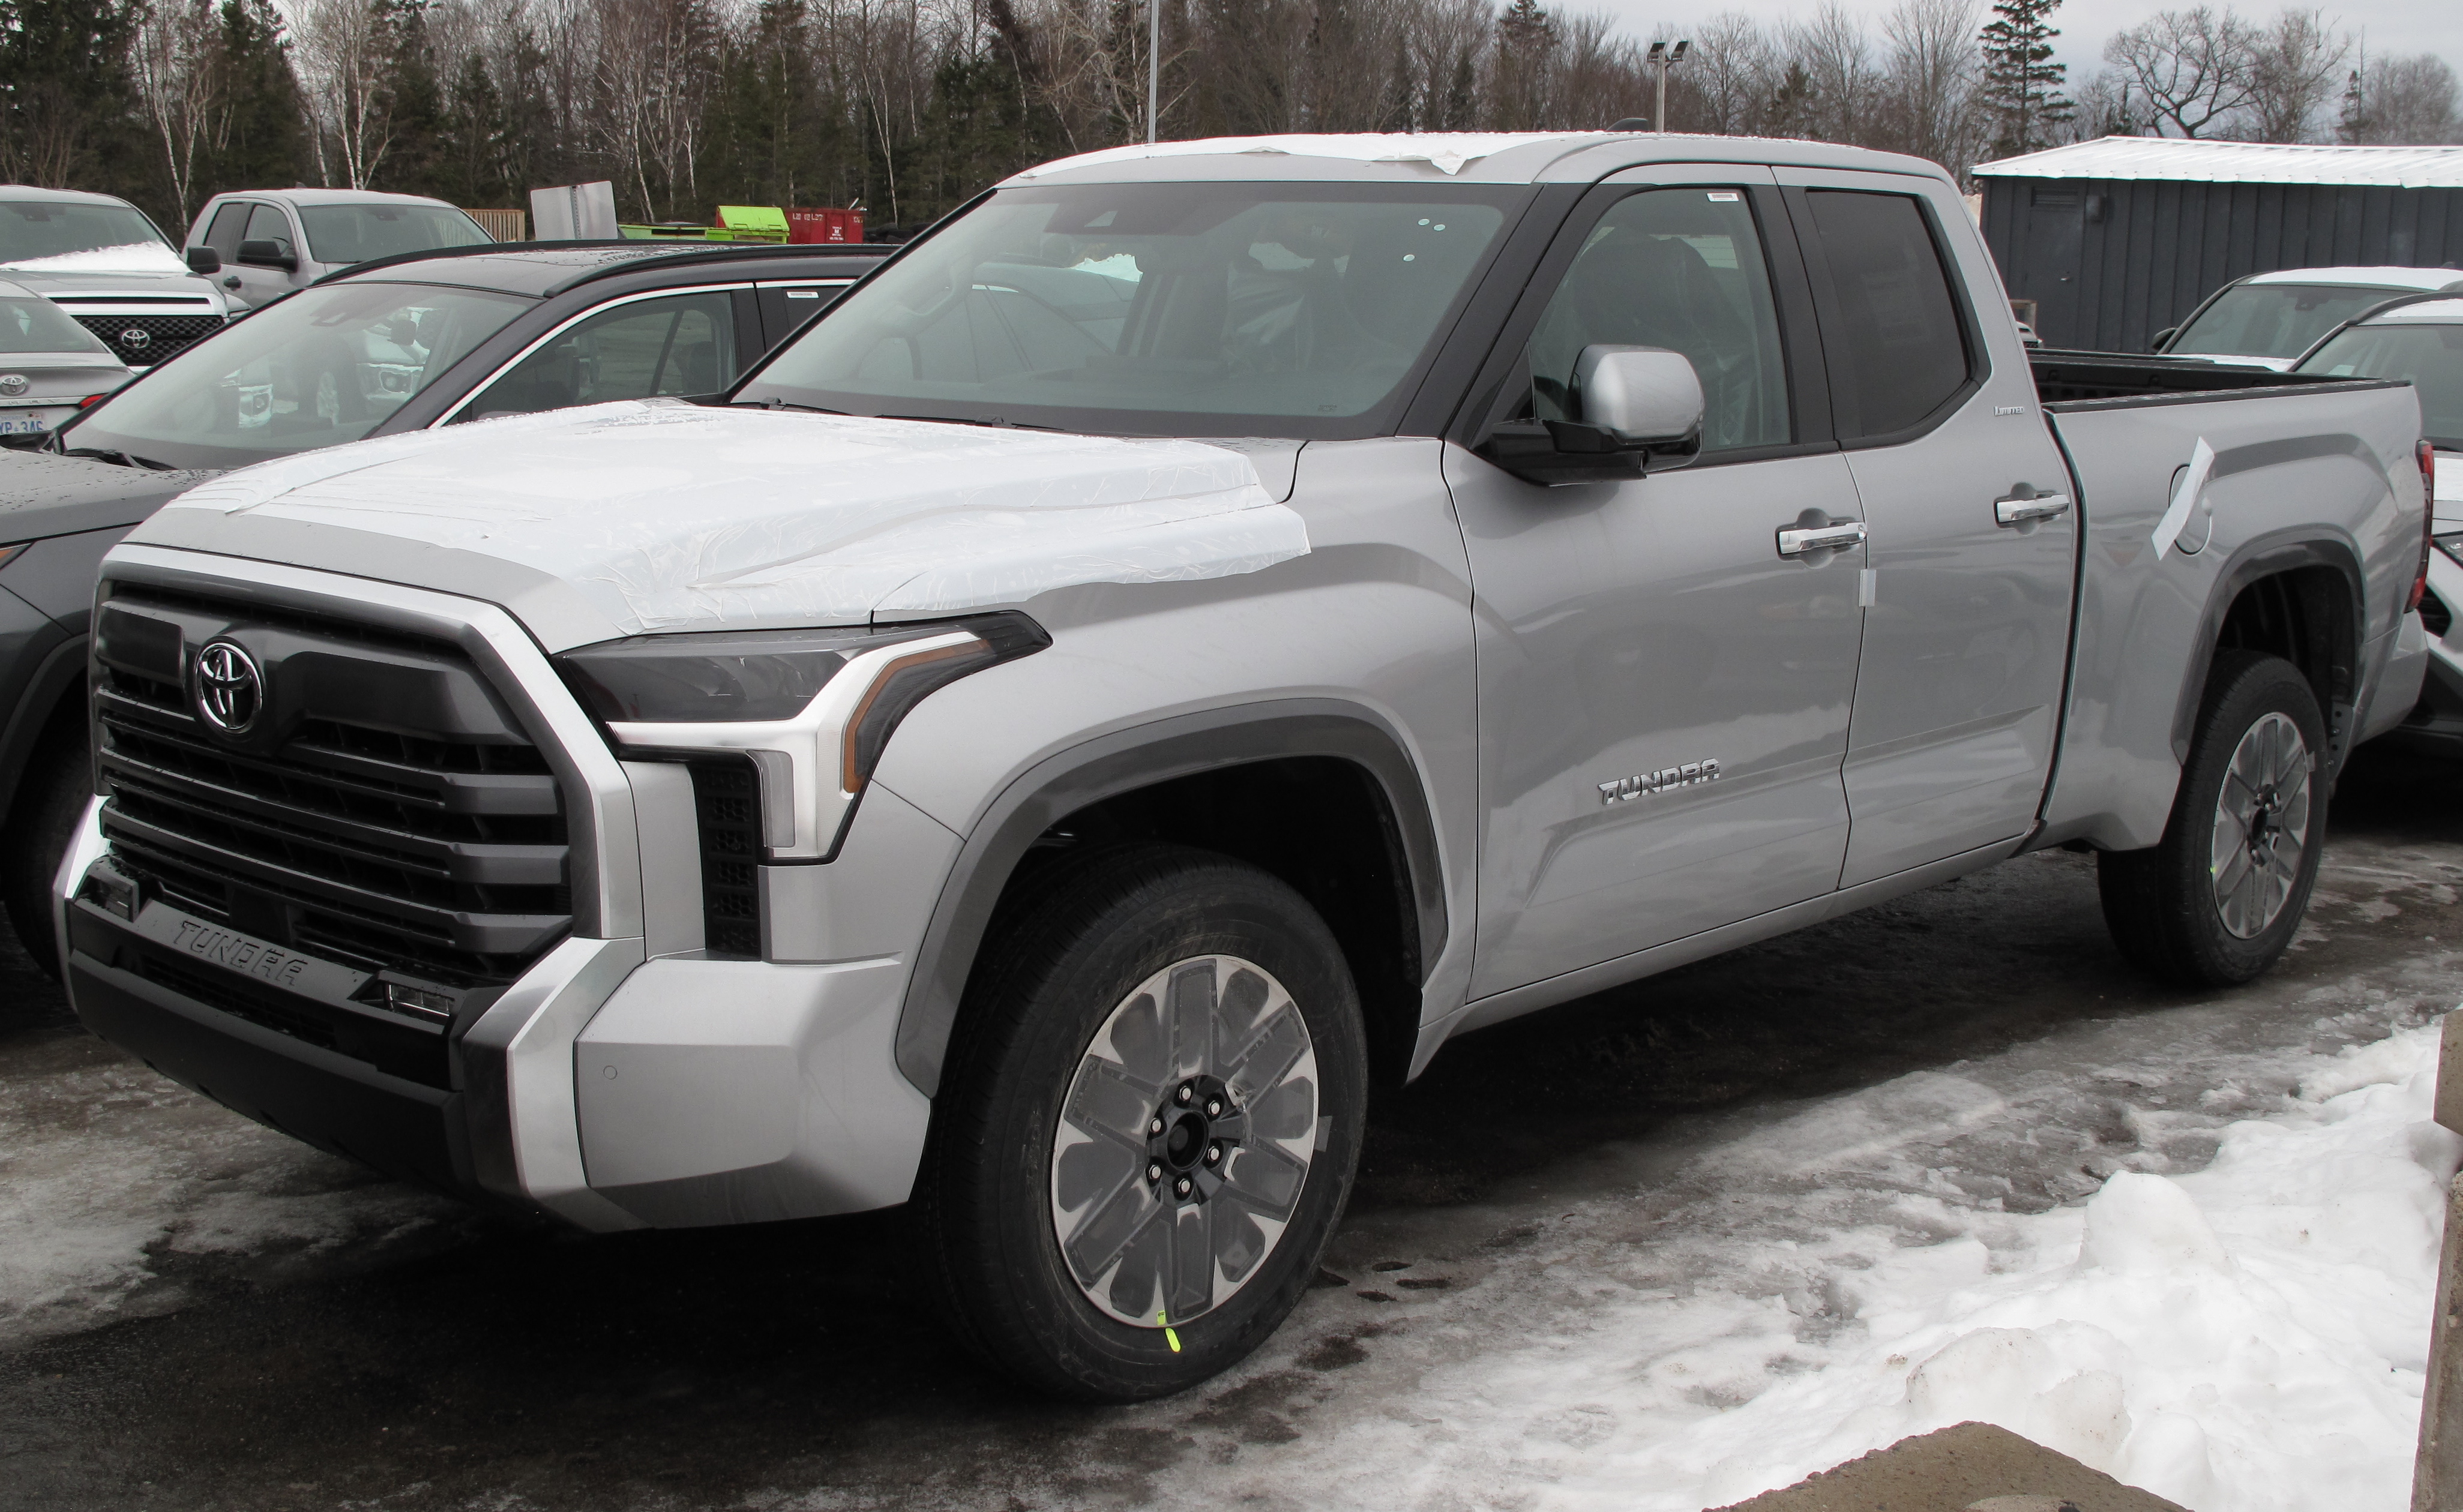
x=175 y=62
x=2108 y=106
x=2294 y=64
x=2406 y=101
x=1930 y=78
x=2195 y=67
x=343 y=46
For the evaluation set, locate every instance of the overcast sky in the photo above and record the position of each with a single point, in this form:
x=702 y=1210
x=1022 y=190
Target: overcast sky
x=2391 y=26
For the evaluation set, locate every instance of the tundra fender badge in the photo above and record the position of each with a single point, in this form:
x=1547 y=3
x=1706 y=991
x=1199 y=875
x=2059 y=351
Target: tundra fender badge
x=1625 y=789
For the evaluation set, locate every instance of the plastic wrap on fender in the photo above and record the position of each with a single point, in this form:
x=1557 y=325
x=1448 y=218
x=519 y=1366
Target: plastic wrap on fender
x=669 y=516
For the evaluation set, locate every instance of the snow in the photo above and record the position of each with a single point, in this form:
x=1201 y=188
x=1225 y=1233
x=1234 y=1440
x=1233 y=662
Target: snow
x=2246 y=1337
x=131 y=257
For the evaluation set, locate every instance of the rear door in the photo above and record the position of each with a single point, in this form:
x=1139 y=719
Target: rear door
x=1663 y=694
x=1971 y=541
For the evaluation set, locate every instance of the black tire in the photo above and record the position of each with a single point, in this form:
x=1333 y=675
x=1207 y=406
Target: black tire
x=2162 y=904
x=1051 y=978
x=50 y=799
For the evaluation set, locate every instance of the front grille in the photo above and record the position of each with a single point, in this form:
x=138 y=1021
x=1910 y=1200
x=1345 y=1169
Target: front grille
x=391 y=816
x=165 y=335
x=727 y=809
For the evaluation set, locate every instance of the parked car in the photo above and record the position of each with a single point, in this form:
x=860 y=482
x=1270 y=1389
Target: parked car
x=273 y=241
x=111 y=268
x=2269 y=319
x=915 y=781
x=377 y=350
x=49 y=366
x=2419 y=340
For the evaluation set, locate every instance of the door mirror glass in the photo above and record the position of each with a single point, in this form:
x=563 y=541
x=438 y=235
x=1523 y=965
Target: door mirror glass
x=204 y=260
x=1643 y=397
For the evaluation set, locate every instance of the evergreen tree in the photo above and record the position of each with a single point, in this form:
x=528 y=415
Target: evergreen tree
x=414 y=105
x=66 y=104
x=2022 y=84
x=261 y=139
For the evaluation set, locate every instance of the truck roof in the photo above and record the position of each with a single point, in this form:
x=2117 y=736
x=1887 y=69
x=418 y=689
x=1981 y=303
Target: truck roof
x=1564 y=157
x=304 y=195
x=541 y=268
x=27 y=191
x=2389 y=277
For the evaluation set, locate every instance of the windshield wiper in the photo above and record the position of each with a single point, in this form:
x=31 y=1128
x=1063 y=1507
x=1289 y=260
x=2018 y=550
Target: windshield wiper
x=995 y=422
x=781 y=404
x=122 y=459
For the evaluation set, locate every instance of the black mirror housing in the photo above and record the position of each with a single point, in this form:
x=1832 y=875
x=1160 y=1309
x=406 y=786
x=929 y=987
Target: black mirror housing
x=204 y=260
x=267 y=254
x=2162 y=338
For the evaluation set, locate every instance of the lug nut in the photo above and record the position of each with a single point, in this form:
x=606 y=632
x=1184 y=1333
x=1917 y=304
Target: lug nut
x=1154 y=1173
x=1186 y=1091
x=1181 y=1187
x=1213 y=1153
x=1214 y=1108
x=1154 y=1128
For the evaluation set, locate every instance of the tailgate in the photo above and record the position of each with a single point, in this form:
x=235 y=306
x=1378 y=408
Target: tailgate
x=2319 y=477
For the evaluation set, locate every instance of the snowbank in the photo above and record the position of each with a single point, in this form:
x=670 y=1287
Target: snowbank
x=2246 y=1335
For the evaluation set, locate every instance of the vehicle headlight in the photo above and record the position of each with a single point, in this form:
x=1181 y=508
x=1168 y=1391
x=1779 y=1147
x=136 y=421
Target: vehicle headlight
x=811 y=710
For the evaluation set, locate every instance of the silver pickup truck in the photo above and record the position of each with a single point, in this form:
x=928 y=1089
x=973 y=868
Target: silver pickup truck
x=1172 y=648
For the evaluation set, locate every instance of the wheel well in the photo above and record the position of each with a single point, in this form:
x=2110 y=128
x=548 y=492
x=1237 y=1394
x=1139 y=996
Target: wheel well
x=1321 y=824
x=62 y=727
x=2304 y=614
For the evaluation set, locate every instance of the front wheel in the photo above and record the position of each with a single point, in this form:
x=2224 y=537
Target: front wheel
x=2217 y=900
x=1148 y=1125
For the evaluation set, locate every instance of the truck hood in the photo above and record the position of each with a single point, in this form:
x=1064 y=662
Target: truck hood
x=666 y=516
x=44 y=278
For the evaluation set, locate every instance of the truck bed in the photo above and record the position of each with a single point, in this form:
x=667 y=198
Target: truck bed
x=2064 y=377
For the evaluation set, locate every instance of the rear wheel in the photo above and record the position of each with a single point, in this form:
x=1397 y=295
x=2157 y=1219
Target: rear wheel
x=1145 y=1134
x=42 y=818
x=2219 y=899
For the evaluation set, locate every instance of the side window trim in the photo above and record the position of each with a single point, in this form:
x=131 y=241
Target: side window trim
x=1494 y=394
x=1825 y=300
x=454 y=412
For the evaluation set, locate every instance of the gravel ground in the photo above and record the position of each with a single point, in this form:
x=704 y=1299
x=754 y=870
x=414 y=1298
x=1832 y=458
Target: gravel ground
x=195 y=1312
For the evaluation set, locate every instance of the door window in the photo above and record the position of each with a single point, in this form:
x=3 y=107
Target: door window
x=1683 y=269
x=223 y=233
x=1896 y=346
x=266 y=223
x=678 y=346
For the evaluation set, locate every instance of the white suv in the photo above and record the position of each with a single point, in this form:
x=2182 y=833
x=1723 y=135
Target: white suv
x=2268 y=319
x=274 y=241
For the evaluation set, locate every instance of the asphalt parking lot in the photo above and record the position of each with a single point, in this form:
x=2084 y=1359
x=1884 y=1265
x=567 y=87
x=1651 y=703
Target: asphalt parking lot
x=231 y=1321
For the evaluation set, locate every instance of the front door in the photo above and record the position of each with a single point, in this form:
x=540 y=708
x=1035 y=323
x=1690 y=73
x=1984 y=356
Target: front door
x=259 y=283
x=1972 y=539
x=1664 y=697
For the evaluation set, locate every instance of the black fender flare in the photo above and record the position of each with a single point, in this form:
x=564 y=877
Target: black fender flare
x=1123 y=761
x=2272 y=555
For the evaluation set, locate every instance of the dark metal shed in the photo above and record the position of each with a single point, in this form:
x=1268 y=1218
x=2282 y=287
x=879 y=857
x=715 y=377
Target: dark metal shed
x=2118 y=238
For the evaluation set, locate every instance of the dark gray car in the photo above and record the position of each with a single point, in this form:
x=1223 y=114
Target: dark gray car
x=379 y=348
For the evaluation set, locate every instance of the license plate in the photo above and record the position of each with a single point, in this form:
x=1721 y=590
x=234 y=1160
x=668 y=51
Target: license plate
x=33 y=424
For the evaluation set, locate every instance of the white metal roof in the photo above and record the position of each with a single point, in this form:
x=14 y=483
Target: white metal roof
x=2236 y=163
x=2425 y=279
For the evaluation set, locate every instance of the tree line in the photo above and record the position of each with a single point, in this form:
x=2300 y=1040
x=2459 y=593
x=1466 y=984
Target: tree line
x=908 y=107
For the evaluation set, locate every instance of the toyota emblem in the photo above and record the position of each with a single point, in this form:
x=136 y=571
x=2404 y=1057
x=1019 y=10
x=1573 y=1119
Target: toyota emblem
x=229 y=689
x=137 y=338
x=13 y=385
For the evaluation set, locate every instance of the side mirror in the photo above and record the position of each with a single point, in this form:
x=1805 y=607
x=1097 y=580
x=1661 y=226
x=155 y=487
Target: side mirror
x=2163 y=338
x=267 y=254
x=1641 y=412
x=204 y=260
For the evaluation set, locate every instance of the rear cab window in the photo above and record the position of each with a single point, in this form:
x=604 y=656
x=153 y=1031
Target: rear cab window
x=1893 y=330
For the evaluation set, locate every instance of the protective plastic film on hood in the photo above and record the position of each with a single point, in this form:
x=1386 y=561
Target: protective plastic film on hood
x=669 y=516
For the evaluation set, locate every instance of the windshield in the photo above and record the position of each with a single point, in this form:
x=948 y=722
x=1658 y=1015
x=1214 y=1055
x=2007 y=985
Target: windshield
x=48 y=236
x=317 y=369
x=2430 y=358
x=2274 y=320
x=1189 y=309
x=29 y=325
x=359 y=233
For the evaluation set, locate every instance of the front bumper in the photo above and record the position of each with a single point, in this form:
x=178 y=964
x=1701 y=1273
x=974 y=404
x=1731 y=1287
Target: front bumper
x=626 y=1078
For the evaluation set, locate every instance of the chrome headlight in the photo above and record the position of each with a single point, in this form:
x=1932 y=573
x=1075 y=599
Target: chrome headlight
x=812 y=709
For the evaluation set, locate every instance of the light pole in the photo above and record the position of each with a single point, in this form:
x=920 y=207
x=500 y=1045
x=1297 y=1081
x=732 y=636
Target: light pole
x=1154 y=64
x=1663 y=57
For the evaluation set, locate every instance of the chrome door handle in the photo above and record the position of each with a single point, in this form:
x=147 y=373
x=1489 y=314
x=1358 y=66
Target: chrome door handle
x=2018 y=511
x=1795 y=540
